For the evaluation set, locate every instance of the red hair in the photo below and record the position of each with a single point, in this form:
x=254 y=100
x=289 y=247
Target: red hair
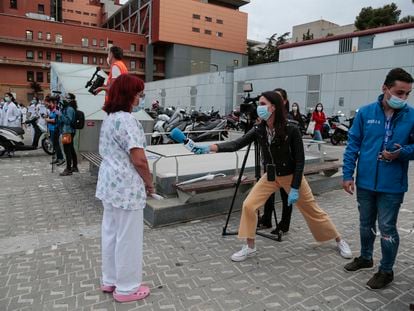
x=122 y=93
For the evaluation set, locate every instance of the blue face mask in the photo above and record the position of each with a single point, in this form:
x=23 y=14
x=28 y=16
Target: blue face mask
x=263 y=113
x=396 y=103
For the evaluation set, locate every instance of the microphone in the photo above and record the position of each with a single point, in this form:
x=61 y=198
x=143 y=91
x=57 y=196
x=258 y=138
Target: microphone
x=178 y=136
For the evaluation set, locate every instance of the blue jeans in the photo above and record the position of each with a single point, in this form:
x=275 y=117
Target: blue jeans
x=317 y=135
x=383 y=207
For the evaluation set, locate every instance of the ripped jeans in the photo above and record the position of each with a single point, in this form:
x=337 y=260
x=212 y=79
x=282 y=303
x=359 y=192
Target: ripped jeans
x=383 y=207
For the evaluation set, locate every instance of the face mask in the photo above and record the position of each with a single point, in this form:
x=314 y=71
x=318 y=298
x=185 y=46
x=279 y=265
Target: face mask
x=135 y=108
x=295 y=108
x=141 y=102
x=7 y=99
x=319 y=108
x=396 y=103
x=263 y=113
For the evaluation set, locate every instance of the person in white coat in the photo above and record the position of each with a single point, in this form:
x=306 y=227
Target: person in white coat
x=3 y=120
x=1 y=112
x=14 y=114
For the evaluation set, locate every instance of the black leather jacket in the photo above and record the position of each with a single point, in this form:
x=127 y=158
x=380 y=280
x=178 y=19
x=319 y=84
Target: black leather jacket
x=287 y=155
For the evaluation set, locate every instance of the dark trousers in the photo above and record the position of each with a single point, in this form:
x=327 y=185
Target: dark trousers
x=70 y=155
x=56 y=145
x=286 y=210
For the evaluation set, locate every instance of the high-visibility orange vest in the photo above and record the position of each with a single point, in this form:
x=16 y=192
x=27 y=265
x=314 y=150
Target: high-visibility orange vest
x=120 y=64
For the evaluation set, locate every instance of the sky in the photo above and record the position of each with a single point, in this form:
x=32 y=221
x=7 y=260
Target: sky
x=267 y=17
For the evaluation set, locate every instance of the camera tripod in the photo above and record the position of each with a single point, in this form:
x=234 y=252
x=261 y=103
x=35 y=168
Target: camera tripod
x=278 y=233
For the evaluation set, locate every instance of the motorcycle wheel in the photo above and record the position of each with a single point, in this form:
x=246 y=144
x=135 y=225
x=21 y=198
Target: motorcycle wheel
x=47 y=146
x=335 y=139
x=2 y=149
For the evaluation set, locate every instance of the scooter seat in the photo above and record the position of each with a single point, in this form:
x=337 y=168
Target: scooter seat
x=17 y=130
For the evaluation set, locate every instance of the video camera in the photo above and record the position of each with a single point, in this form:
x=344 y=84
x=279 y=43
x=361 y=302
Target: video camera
x=95 y=81
x=249 y=105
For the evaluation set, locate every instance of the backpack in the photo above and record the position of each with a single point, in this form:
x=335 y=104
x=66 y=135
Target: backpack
x=79 y=120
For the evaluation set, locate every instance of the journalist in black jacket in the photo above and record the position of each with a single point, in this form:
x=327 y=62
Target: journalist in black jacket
x=282 y=145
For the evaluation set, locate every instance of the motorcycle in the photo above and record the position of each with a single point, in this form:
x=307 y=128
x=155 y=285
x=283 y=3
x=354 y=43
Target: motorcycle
x=340 y=134
x=11 y=139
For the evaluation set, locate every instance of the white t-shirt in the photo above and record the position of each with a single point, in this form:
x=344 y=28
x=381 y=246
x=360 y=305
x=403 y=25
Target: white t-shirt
x=118 y=182
x=116 y=72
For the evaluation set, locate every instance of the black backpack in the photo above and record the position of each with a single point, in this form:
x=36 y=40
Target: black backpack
x=79 y=120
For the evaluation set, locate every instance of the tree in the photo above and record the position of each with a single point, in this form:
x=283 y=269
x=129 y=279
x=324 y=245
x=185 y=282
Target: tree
x=36 y=87
x=407 y=19
x=269 y=53
x=307 y=36
x=371 y=18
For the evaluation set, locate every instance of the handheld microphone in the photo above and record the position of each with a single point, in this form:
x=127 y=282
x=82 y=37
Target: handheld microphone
x=178 y=136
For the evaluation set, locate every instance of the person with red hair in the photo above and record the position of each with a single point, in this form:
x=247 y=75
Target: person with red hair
x=123 y=184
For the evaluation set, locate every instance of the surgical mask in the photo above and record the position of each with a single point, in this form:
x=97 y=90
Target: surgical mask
x=263 y=113
x=136 y=108
x=396 y=103
x=319 y=108
x=294 y=108
x=7 y=99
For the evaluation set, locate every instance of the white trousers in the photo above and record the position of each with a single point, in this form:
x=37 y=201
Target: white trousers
x=122 y=239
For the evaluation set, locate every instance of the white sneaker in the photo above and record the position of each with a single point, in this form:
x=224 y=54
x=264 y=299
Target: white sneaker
x=242 y=254
x=344 y=249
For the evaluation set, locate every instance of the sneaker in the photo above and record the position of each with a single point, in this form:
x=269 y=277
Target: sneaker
x=66 y=172
x=242 y=254
x=141 y=293
x=344 y=249
x=75 y=170
x=60 y=162
x=380 y=280
x=359 y=263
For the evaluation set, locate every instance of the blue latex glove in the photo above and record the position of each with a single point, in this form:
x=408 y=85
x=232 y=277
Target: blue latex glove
x=293 y=196
x=201 y=149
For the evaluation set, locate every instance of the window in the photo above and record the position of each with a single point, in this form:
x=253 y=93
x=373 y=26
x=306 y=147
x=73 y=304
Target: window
x=39 y=76
x=207 y=32
x=48 y=36
x=94 y=60
x=219 y=34
x=236 y=62
x=133 y=65
x=154 y=66
x=196 y=29
x=141 y=48
x=196 y=16
x=48 y=55
x=100 y=60
x=313 y=91
x=94 y=25
x=410 y=41
x=58 y=57
x=40 y=35
x=85 y=13
x=133 y=47
x=29 y=54
x=58 y=38
x=110 y=43
x=30 y=76
x=365 y=42
x=78 y=12
x=345 y=45
x=13 y=4
x=85 y=59
x=41 y=8
x=400 y=42
x=39 y=55
x=141 y=64
x=101 y=43
x=85 y=42
x=208 y=19
x=219 y=21
x=94 y=42
x=48 y=76
x=29 y=35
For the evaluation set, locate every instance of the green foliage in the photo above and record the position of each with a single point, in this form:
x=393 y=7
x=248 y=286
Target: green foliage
x=269 y=53
x=407 y=19
x=307 y=36
x=372 y=18
x=36 y=87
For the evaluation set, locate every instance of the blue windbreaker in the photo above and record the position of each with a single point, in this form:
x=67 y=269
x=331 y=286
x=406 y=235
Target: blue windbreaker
x=366 y=141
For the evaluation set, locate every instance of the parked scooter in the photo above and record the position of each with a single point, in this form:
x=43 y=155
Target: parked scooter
x=340 y=134
x=11 y=139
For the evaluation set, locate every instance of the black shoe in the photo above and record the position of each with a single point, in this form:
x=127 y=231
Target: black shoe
x=66 y=172
x=54 y=162
x=380 y=280
x=264 y=224
x=75 y=170
x=359 y=263
x=283 y=227
x=60 y=162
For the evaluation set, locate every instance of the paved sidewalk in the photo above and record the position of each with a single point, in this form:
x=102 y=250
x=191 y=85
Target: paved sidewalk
x=50 y=255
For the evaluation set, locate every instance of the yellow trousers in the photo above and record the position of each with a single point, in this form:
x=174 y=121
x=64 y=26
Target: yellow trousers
x=318 y=221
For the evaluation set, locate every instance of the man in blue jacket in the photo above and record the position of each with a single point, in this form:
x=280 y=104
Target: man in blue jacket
x=379 y=147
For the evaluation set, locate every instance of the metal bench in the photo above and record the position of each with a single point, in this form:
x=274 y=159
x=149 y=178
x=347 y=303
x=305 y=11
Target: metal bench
x=94 y=160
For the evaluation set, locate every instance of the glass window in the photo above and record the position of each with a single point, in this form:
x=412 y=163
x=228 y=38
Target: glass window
x=40 y=35
x=141 y=64
x=195 y=29
x=29 y=35
x=400 y=42
x=58 y=57
x=219 y=34
x=39 y=55
x=101 y=43
x=58 y=38
x=196 y=16
x=13 y=4
x=345 y=45
x=48 y=76
x=94 y=60
x=219 y=21
x=110 y=43
x=141 y=48
x=41 y=8
x=133 y=47
x=365 y=42
x=94 y=42
x=207 y=32
x=39 y=76
x=30 y=76
x=48 y=55
x=208 y=19
x=100 y=60
x=133 y=65
x=85 y=59
x=85 y=42
x=29 y=54
x=48 y=36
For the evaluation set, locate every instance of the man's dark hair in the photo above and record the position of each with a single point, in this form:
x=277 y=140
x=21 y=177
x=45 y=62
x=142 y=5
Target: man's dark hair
x=117 y=52
x=397 y=74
